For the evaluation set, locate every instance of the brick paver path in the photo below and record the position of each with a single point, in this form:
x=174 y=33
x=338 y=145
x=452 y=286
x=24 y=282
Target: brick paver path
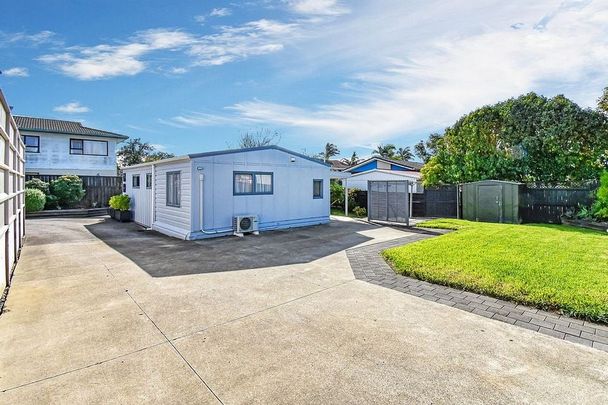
x=368 y=265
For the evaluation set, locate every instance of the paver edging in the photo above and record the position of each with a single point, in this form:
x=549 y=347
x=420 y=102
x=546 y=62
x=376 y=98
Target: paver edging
x=368 y=265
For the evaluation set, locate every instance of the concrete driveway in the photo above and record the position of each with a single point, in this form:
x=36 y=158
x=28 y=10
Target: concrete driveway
x=101 y=312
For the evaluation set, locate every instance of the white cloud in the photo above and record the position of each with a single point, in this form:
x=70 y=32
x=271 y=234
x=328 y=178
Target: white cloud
x=72 y=108
x=16 y=72
x=38 y=38
x=104 y=61
x=220 y=12
x=418 y=68
x=317 y=7
x=230 y=44
x=200 y=18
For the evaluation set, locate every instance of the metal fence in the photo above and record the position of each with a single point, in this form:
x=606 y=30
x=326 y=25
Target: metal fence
x=98 y=189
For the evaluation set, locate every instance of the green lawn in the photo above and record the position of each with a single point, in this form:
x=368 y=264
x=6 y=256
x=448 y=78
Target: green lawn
x=548 y=266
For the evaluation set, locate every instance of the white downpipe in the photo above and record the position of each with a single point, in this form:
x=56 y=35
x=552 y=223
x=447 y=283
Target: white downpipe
x=153 y=197
x=346 y=197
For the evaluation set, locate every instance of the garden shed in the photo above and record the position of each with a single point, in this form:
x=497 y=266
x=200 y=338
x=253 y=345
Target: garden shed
x=492 y=201
x=229 y=192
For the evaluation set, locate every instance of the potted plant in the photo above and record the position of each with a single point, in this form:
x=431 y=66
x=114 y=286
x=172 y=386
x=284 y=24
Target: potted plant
x=119 y=207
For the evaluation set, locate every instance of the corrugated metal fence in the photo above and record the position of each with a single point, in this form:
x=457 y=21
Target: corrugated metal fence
x=98 y=189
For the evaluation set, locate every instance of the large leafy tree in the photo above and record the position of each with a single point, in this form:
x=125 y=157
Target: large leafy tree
x=530 y=138
x=135 y=151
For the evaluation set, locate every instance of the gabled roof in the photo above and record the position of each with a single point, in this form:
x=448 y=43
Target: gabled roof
x=338 y=164
x=415 y=166
x=61 y=127
x=408 y=173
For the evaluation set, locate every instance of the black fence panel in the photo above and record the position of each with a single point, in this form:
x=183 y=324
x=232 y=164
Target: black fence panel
x=547 y=205
x=441 y=201
x=418 y=205
x=98 y=189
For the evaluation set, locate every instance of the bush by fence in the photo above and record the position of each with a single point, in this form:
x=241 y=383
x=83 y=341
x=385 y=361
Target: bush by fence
x=98 y=189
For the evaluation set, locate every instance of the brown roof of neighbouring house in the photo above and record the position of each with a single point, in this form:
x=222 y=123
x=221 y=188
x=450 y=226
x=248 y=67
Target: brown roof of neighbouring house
x=338 y=164
x=61 y=127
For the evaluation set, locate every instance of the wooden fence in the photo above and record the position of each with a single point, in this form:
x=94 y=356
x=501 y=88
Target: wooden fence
x=547 y=205
x=98 y=189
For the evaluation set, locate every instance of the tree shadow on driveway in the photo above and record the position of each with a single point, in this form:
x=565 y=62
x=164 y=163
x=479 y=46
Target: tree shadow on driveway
x=162 y=256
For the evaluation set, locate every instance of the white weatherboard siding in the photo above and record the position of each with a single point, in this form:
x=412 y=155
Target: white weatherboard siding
x=54 y=157
x=12 y=199
x=208 y=203
x=359 y=181
x=291 y=204
x=175 y=221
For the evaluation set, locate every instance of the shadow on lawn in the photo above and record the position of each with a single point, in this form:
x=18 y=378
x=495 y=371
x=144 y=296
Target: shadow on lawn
x=163 y=256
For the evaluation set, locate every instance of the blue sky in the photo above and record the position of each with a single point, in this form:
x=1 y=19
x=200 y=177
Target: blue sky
x=193 y=76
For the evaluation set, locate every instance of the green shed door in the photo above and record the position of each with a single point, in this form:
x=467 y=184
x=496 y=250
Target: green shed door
x=489 y=203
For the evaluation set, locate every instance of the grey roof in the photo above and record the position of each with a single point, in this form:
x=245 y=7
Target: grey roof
x=415 y=166
x=61 y=127
x=275 y=147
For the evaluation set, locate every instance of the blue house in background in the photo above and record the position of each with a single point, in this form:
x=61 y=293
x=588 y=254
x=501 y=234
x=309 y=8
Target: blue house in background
x=380 y=168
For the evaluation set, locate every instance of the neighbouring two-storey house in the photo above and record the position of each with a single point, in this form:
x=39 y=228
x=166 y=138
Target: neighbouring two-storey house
x=58 y=147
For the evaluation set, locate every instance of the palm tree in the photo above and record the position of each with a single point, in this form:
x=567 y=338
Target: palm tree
x=331 y=150
x=404 y=153
x=354 y=159
x=386 y=151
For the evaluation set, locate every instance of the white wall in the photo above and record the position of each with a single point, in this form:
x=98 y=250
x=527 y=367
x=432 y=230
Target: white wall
x=55 y=157
x=141 y=198
x=175 y=221
x=12 y=200
x=360 y=181
x=291 y=203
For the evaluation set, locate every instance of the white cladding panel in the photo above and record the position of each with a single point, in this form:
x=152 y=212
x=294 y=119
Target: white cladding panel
x=55 y=158
x=290 y=204
x=360 y=182
x=141 y=197
x=168 y=218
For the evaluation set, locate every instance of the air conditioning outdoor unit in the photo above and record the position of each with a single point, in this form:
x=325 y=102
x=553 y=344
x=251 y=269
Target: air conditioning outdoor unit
x=243 y=224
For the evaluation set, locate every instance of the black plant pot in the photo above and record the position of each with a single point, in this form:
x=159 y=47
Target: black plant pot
x=111 y=212
x=122 y=216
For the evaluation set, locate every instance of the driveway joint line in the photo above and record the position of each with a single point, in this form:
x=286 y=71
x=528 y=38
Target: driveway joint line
x=175 y=348
x=368 y=265
x=83 y=367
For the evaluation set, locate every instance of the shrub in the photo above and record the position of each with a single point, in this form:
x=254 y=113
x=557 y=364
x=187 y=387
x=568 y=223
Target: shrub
x=600 y=206
x=68 y=190
x=336 y=191
x=51 y=202
x=120 y=202
x=38 y=184
x=34 y=200
x=359 y=211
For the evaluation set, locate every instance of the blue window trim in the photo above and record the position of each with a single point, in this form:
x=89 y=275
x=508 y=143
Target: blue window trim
x=253 y=174
x=317 y=197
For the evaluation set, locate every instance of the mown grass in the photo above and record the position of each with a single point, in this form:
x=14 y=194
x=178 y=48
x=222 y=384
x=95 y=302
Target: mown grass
x=340 y=212
x=553 y=267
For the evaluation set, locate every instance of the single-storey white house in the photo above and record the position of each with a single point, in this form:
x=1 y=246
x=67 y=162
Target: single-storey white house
x=379 y=168
x=229 y=192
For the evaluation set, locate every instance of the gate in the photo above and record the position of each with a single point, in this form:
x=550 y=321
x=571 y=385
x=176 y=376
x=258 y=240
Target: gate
x=388 y=201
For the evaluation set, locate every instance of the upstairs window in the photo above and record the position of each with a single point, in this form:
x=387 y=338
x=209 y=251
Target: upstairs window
x=135 y=181
x=252 y=183
x=88 y=147
x=317 y=188
x=32 y=143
